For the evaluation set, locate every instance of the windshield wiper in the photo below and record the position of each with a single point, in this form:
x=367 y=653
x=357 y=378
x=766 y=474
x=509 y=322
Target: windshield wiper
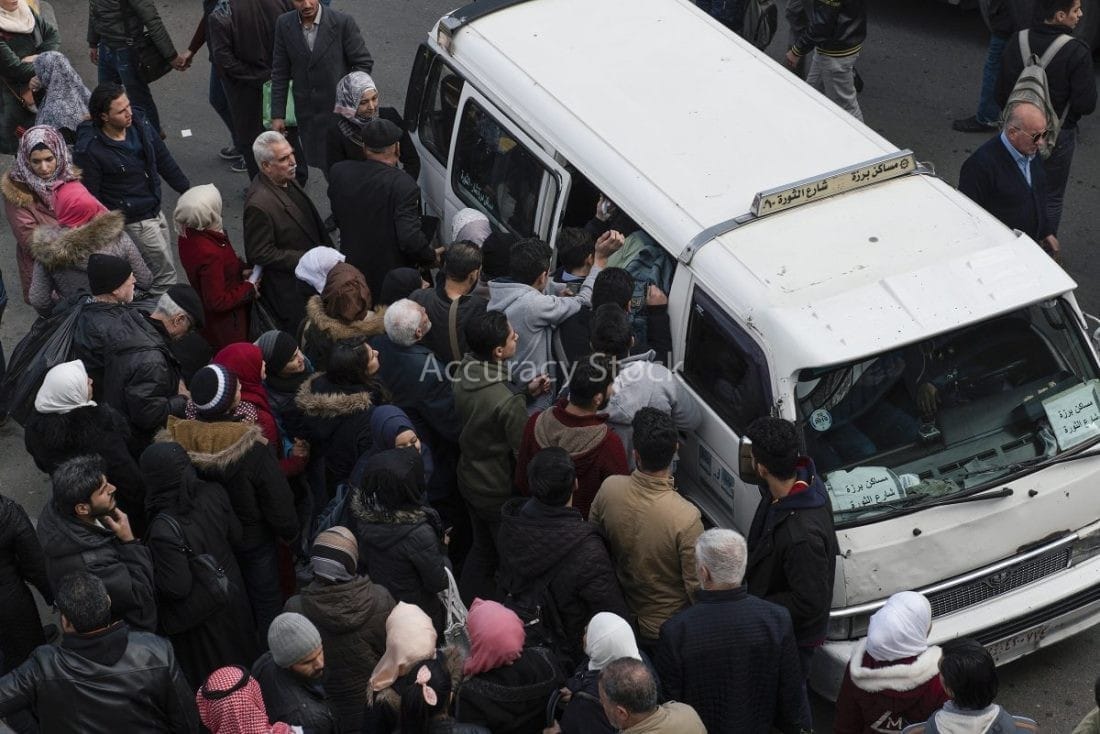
x=898 y=504
x=999 y=494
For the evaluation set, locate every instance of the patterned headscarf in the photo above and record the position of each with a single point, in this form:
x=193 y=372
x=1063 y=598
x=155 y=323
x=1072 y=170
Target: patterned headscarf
x=66 y=102
x=230 y=702
x=349 y=91
x=43 y=187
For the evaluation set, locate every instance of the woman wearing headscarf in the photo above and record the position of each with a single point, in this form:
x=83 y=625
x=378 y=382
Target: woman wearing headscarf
x=41 y=165
x=608 y=637
x=213 y=267
x=203 y=638
x=357 y=103
x=505 y=686
x=344 y=310
x=427 y=692
x=286 y=368
x=61 y=255
x=400 y=283
x=470 y=225
x=66 y=102
x=230 y=702
x=401 y=539
x=66 y=423
x=410 y=639
x=893 y=675
x=23 y=35
x=314 y=266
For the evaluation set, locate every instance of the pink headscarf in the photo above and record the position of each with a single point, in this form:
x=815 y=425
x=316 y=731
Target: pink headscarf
x=74 y=205
x=410 y=638
x=229 y=705
x=496 y=637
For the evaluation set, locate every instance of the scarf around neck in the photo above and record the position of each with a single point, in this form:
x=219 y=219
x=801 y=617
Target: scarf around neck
x=20 y=20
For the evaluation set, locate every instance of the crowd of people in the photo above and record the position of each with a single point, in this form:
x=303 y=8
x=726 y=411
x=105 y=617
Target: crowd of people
x=373 y=482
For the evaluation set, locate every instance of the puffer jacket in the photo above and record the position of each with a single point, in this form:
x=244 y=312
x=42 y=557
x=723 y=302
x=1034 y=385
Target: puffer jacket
x=320 y=332
x=236 y=456
x=103 y=682
x=100 y=326
x=837 y=28
x=510 y=699
x=119 y=23
x=351 y=618
x=1069 y=73
x=61 y=258
x=336 y=421
x=25 y=213
x=554 y=545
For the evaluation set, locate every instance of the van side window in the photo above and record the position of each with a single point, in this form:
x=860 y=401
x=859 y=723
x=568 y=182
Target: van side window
x=439 y=108
x=725 y=366
x=493 y=172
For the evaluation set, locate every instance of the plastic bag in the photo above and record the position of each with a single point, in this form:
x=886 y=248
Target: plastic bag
x=455 y=630
x=46 y=345
x=291 y=118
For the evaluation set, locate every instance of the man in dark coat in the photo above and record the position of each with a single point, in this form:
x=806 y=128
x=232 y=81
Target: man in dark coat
x=290 y=675
x=314 y=48
x=82 y=529
x=1007 y=177
x=550 y=555
x=1004 y=18
x=280 y=223
x=453 y=292
x=105 y=318
x=730 y=656
x=792 y=544
x=103 y=677
x=377 y=207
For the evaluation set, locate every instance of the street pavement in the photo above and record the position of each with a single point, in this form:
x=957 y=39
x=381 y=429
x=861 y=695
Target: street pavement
x=921 y=66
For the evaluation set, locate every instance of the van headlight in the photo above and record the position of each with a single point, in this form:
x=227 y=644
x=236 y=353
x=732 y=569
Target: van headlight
x=1087 y=544
x=848 y=627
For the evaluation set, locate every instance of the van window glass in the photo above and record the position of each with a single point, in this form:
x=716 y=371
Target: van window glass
x=725 y=366
x=493 y=172
x=440 y=105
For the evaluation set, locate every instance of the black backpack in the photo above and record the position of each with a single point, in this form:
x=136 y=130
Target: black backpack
x=534 y=605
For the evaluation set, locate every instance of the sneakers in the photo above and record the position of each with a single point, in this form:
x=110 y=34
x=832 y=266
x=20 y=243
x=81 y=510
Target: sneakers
x=229 y=153
x=238 y=165
x=973 y=125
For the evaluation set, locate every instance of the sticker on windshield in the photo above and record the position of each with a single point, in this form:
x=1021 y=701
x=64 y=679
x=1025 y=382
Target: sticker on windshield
x=1074 y=415
x=864 y=486
x=821 y=420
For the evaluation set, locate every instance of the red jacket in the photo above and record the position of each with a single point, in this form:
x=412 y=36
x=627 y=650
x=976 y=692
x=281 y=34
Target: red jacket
x=880 y=697
x=214 y=270
x=596 y=450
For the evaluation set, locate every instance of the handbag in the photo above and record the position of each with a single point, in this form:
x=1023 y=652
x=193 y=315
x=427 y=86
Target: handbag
x=209 y=587
x=455 y=630
x=150 y=62
x=290 y=117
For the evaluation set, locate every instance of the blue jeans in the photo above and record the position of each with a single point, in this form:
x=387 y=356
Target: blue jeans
x=117 y=65
x=1057 y=168
x=216 y=97
x=989 y=112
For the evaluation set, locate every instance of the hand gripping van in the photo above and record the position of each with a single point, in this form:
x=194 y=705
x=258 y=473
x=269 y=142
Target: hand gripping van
x=935 y=361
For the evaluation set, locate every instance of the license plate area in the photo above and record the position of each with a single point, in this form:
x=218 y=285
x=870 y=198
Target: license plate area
x=1019 y=644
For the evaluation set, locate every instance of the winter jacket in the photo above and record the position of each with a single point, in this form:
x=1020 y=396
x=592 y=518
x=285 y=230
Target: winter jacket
x=119 y=23
x=403 y=552
x=510 y=699
x=888 y=696
x=1069 y=74
x=339 y=147
x=103 y=682
x=596 y=451
x=991 y=178
x=1090 y=724
x=242 y=38
x=792 y=554
x=651 y=531
x=292 y=699
x=351 y=618
x=15 y=72
x=669 y=718
x=25 y=212
x=554 y=547
x=493 y=418
x=236 y=456
x=418 y=384
x=214 y=270
x=990 y=720
x=573 y=339
x=61 y=258
x=837 y=28
x=1005 y=17
x=732 y=657
x=438 y=305
x=336 y=422
x=99 y=327
x=584 y=714
x=21 y=563
x=320 y=332
x=126 y=569
x=121 y=179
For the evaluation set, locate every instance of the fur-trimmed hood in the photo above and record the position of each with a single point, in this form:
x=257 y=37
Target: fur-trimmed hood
x=335 y=329
x=899 y=678
x=313 y=399
x=20 y=194
x=212 y=446
x=56 y=247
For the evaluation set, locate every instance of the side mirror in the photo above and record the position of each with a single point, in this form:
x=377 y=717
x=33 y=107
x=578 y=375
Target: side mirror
x=745 y=464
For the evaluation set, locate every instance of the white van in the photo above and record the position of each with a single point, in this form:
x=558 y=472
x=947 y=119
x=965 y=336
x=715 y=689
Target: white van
x=823 y=276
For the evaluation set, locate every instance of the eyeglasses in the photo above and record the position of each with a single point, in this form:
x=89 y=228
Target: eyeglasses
x=1035 y=137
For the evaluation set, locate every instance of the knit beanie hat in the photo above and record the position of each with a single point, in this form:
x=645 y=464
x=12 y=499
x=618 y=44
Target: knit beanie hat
x=106 y=272
x=335 y=554
x=292 y=638
x=188 y=299
x=212 y=390
x=278 y=348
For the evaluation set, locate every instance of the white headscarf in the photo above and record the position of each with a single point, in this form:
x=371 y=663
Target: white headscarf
x=314 y=265
x=65 y=388
x=20 y=20
x=200 y=207
x=900 y=629
x=609 y=637
x=471 y=225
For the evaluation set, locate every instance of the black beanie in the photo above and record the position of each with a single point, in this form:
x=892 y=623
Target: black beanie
x=278 y=348
x=188 y=299
x=106 y=272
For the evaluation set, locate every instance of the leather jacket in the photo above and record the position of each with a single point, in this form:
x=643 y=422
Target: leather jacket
x=837 y=28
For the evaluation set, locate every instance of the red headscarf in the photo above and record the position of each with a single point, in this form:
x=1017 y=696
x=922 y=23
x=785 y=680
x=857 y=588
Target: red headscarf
x=496 y=637
x=74 y=205
x=245 y=361
x=230 y=702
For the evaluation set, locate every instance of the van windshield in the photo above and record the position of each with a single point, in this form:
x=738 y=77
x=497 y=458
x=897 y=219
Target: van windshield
x=941 y=418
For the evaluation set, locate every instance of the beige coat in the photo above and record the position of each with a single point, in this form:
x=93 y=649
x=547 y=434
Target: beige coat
x=652 y=532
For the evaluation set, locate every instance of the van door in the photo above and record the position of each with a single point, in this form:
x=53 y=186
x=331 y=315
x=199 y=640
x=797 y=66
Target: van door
x=431 y=107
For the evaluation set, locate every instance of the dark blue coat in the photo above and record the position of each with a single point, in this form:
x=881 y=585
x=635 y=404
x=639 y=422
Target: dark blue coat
x=992 y=179
x=418 y=384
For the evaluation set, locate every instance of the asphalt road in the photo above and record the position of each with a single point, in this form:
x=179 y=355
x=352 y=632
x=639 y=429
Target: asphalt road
x=921 y=66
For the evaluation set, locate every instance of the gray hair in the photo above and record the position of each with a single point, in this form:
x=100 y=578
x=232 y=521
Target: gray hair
x=402 y=319
x=628 y=683
x=261 y=147
x=169 y=308
x=724 y=554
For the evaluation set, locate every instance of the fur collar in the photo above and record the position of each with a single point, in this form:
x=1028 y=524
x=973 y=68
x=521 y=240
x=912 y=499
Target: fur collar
x=56 y=247
x=361 y=511
x=20 y=194
x=894 y=677
x=330 y=404
x=213 y=446
x=335 y=329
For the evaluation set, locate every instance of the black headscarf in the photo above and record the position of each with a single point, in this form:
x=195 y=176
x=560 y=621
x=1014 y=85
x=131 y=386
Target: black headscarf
x=399 y=283
x=394 y=480
x=170 y=480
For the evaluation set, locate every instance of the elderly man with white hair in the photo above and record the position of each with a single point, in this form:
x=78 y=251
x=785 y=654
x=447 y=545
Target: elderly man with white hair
x=280 y=224
x=732 y=656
